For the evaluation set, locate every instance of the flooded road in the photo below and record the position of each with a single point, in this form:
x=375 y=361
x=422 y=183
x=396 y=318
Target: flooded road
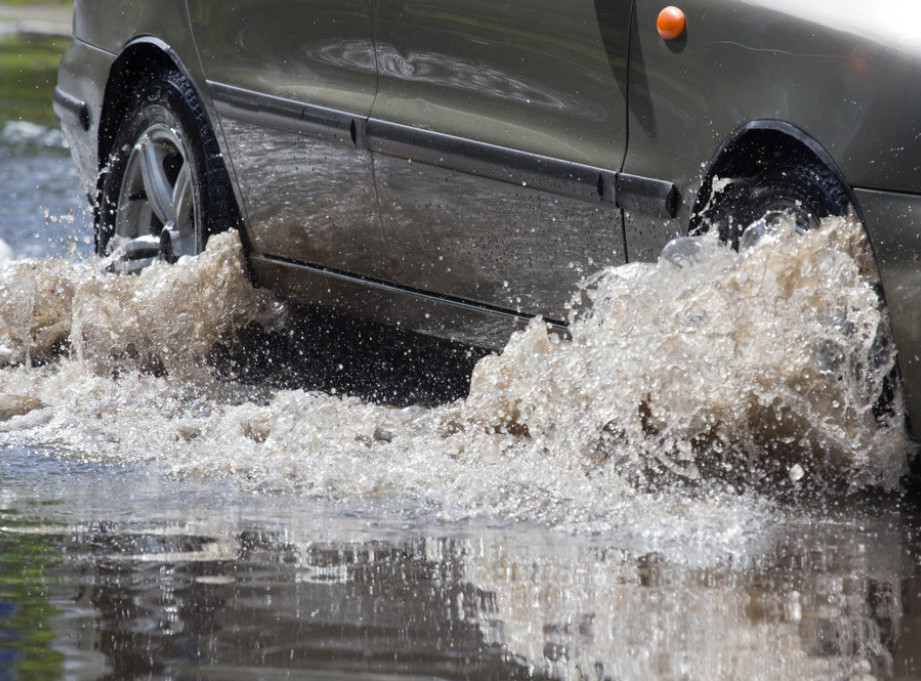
x=118 y=572
x=701 y=484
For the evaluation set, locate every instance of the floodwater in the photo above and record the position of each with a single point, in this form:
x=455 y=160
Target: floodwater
x=702 y=484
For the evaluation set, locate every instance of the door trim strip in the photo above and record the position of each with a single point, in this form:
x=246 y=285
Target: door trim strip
x=279 y=113
x=573 y=180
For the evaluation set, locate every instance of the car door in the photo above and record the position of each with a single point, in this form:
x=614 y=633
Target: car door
x=497 y=131
x=292 y=80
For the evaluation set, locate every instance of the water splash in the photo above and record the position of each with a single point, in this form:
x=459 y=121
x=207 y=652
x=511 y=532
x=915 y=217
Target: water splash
x=777 y=358
x=163 y=321
x=765 y=368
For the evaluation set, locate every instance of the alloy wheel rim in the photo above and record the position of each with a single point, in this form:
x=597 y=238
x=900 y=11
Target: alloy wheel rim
x=158 y=202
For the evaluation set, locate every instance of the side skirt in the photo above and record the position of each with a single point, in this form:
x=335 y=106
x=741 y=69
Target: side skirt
x=457 y=320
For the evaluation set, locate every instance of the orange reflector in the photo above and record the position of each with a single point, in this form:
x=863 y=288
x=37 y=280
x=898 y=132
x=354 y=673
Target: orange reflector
x=671 y=22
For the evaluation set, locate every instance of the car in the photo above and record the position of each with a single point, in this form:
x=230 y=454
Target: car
x=457 y=168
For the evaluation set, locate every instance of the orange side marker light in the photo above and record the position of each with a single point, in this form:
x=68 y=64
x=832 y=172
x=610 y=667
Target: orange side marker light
x=671 y=23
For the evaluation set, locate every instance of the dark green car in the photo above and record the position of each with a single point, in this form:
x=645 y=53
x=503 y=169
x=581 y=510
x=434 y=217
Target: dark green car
x=457 y=167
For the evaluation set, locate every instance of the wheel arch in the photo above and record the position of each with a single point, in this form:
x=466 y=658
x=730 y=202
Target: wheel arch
x=141 y=58
x=754 y=146
x=148 y=58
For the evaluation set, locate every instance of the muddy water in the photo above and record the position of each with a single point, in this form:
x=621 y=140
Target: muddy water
x=701 y=484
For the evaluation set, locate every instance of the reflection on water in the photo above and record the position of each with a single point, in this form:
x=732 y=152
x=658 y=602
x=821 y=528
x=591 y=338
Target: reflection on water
x=102 y=579
x=26 y=615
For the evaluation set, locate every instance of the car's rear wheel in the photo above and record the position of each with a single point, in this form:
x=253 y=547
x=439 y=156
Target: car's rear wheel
x=164 y=188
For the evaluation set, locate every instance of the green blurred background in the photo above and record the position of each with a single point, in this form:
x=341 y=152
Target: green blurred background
x=33 y=36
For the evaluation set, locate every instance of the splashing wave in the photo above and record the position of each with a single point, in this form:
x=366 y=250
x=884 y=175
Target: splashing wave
x=768 y=368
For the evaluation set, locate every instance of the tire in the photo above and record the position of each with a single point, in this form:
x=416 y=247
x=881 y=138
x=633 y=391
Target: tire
x=800 y=186
x=164 y=188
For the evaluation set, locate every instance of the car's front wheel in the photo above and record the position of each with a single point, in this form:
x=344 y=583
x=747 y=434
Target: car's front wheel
x=801 y=188
x=791 y=185
x=164 y=188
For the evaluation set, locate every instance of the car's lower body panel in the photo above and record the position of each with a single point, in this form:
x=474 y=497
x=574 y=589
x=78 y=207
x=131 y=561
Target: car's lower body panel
x=893 y=222
x=420 y=312
x=490 y=242
x=305 y=199
x=78 y=102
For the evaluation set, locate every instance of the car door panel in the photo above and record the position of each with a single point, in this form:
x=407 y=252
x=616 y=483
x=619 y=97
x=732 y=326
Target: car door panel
x=291 y=80
x=538 y=81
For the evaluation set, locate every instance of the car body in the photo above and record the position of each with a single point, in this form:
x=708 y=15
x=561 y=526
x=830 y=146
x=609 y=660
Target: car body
x=456 y=168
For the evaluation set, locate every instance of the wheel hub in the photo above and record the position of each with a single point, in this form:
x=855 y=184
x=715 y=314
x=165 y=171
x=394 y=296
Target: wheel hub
x=157 y=212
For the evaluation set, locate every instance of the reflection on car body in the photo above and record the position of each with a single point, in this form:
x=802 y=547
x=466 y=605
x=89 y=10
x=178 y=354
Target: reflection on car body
x=457 y=169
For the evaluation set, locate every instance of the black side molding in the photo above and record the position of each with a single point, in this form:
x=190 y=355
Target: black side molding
x=586 y=183
x=68 y=105
x=283 y=114
x=488 y=160
x=658 y=198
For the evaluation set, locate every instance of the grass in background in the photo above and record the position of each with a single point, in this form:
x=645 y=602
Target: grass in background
x=28 y=65
x=28 y=73
x=36 y=2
